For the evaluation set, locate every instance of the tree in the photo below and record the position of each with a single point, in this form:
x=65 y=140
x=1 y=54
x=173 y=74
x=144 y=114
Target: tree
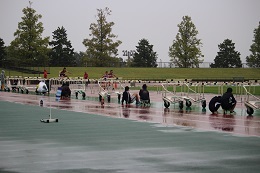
x=253 y=60
x=29 y=48
x=144 y=55
x=185 y=51
x=80 y=59
x=2 y=52
x=101 y=46
x=62 y=53
x=227 y=56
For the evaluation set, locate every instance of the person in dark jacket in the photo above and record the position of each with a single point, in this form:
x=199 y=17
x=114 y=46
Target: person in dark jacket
x=228 y=102
x=144 y=94
x=65 y=91
x=214 y=104
x=128 y=98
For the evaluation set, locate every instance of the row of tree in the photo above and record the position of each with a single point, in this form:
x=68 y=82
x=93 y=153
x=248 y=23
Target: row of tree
x=29 y=48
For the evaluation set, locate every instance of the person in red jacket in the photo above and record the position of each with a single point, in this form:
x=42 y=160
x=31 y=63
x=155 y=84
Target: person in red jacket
x=45 y=74
x=85 y=75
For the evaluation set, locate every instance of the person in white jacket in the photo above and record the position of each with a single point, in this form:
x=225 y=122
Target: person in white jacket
x=42 y=87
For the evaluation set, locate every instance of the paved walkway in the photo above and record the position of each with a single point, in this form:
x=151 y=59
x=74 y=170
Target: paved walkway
x=93 y=138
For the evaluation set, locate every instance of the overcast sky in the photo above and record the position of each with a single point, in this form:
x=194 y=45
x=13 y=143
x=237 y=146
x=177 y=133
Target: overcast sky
x=154 y=20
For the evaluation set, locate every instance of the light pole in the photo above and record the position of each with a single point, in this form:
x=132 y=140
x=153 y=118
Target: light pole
x=128 y=54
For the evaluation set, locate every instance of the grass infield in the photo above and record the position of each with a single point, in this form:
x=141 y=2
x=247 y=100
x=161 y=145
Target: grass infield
x=203 y=74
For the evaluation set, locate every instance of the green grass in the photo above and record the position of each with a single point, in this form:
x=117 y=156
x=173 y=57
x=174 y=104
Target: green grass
x=205 y=74
x=161 y=74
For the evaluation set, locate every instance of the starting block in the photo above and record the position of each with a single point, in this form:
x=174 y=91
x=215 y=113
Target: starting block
x=6 y=88
x=22 y=89
x=83 y=94
x=145 y=103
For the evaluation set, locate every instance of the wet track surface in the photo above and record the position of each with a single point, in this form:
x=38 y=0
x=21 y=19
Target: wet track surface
x=239 y=123
x=91 y=138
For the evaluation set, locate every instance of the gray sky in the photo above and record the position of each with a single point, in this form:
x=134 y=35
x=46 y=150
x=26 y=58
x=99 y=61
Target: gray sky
x=155 y=20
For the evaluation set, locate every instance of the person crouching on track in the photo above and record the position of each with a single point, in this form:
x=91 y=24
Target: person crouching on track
x=144 y=94
x=128 y=98
x=42 y=87
x=65 y=91
x=214 y=104
x=228 y=102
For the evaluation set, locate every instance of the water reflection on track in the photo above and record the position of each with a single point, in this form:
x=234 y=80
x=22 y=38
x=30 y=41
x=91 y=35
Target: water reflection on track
x=193 y=118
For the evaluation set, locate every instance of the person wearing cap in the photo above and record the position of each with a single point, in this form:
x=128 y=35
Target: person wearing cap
x=2 y=80
x=228 y=102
